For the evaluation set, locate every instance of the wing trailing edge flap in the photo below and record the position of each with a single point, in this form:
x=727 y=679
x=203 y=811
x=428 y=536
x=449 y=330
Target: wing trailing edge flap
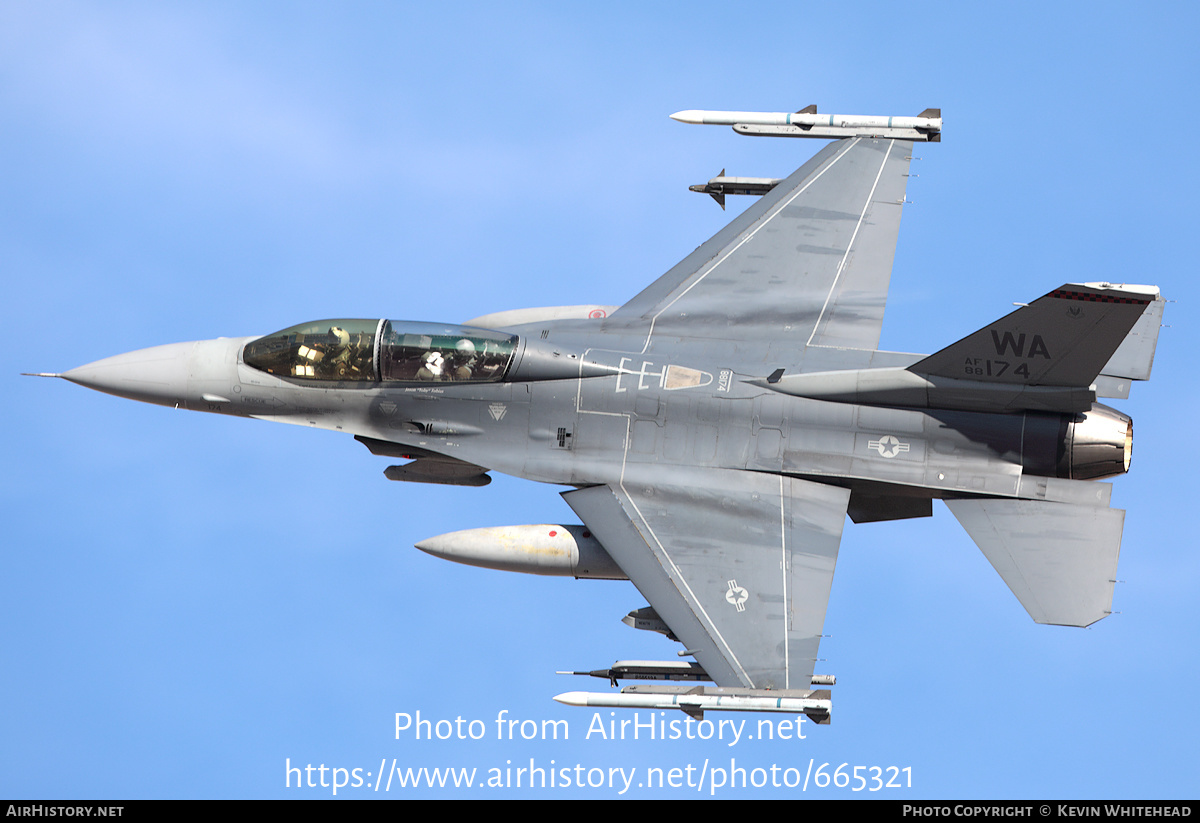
x=1066 y=338
x=738 y=564
x=1059 y=559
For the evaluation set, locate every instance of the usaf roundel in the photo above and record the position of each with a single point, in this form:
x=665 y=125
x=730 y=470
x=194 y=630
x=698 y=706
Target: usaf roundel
x=888 y=446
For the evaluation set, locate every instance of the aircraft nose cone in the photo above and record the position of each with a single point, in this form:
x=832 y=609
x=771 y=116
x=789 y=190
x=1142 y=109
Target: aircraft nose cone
x=154 y=375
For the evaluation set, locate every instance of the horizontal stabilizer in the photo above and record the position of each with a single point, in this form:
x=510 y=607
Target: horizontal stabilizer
x=1062 y=339
x=1059 y=559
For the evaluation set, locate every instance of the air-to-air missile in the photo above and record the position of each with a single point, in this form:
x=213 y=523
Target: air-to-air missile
x=721 y=185
x=926 y=126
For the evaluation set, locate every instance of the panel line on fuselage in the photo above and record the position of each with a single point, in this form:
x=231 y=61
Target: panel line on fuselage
x=677 y=575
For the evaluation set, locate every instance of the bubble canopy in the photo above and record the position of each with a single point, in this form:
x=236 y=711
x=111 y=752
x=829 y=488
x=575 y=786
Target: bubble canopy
x=370 y=351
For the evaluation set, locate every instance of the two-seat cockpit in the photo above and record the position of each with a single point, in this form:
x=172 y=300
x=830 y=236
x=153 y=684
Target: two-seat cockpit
x=383 y=350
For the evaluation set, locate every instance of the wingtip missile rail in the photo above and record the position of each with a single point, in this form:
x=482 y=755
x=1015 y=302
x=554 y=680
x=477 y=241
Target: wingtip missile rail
x=926 y=126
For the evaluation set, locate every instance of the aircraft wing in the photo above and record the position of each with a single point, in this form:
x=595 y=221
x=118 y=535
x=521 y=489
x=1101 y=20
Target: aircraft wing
x=808 y=264
x=738 y=564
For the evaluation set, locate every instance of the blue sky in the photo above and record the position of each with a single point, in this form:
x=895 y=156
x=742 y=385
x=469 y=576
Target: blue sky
x=180 y=619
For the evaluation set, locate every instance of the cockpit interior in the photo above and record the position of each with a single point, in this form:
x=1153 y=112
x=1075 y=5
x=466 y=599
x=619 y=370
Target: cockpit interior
x=383 y=351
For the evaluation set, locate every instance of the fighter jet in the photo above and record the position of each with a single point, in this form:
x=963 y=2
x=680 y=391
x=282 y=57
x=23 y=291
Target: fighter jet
x=715 y=430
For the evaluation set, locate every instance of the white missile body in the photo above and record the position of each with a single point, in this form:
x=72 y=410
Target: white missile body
x=695 y=704
x=549 y=549
x=807 y=123
x=844 y=121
